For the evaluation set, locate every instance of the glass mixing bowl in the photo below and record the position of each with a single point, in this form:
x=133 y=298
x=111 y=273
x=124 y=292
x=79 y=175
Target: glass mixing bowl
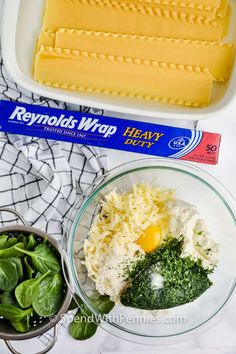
x=215 y=205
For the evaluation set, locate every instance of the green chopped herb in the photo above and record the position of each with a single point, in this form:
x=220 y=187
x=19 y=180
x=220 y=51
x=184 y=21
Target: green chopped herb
x=184 y=279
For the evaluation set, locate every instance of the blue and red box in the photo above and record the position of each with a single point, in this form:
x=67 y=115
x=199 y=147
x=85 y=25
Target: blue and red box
x=109 y=132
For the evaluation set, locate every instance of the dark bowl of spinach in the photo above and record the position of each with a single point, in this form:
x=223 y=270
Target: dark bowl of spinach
x=33 y=291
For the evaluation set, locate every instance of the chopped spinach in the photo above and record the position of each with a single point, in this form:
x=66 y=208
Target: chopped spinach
x=184 y=279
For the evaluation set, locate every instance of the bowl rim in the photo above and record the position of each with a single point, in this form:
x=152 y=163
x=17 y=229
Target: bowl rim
x=168 y=164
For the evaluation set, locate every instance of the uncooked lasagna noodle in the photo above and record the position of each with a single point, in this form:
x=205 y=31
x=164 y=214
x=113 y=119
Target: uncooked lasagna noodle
x=179 y=9
x=223 y=8
x=128 y=17
x=207 y=12
x=207 y=5
x=217 y=57
x=123 y=76
x=46 y=39
x=226 y=21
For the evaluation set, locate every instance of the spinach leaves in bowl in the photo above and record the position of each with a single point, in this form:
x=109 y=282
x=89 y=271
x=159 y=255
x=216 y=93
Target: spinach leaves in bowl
x=31 y=282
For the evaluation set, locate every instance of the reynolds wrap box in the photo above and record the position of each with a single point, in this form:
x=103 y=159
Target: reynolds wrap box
x=109 y=132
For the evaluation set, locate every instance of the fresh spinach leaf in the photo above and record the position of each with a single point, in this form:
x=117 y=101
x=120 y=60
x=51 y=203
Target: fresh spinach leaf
x=3 y=240
x=24 y=292
x=22 y=238
x=13 y=313
x=82 y=328
x=22 y=326
x=102 y=303
x=48 y=295
x=45 y=240
x=32 y=243
x=19 y=266
x=43 y=258
x=12 y=241
x=75 y=303
x=13 y=251
x=30 y=271
x=8 y=275
x=38 y=274
x=8 y=298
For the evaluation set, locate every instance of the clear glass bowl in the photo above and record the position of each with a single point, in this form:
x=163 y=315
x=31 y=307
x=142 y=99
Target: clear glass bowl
x=215 y=205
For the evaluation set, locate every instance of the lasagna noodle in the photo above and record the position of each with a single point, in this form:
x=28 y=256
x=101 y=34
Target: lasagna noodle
x=225 y=22
x=128 y=77
x=46 y=39
x=206 y=12
x=181 y=11
x=223 y=8
x=207 y=5
x=217 y=57
x=126 y=17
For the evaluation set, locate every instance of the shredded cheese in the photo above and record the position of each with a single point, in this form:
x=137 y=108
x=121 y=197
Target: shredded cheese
x=111 y=244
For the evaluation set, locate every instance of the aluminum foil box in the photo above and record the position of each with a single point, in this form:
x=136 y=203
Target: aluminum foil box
x=109 y=132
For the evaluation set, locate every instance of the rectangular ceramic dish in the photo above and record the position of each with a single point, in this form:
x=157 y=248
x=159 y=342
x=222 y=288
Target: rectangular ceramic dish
x=21 y=24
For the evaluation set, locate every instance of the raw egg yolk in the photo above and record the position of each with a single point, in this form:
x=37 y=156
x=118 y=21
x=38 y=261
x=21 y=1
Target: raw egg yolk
x=151 y=238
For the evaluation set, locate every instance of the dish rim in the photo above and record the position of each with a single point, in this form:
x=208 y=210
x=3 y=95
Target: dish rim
x=10 y=14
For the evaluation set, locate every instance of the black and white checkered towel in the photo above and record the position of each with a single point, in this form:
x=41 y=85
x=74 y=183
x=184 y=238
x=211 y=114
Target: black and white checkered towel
x=41 y=178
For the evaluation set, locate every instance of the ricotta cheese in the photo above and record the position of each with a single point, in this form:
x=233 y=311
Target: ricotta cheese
x=185 y=220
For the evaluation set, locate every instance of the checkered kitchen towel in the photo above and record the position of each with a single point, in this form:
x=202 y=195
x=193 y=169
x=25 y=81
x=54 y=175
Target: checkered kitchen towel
x=42 y=179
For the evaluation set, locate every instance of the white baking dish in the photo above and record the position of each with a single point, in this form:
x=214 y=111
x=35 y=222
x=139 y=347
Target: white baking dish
x=21 y=25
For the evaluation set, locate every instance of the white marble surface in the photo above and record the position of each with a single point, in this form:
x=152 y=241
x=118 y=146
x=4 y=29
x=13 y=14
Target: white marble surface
x=220 y=337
